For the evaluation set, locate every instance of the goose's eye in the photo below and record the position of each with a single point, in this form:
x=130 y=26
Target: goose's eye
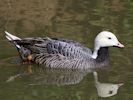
x=110 y=92
x=109 y=38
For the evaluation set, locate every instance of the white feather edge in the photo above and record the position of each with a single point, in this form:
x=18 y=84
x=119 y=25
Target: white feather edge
x=11 y=37
x=8 y=38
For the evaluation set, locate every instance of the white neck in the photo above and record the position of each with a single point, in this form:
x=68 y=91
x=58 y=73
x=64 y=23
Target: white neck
x=95 y=52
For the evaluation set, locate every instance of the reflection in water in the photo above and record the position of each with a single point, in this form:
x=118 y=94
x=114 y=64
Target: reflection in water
x=40 y=76
x=105 y=89
x=12 y=78
x=57 y=76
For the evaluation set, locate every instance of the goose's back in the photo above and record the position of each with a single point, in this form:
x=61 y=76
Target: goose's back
x=67 y=48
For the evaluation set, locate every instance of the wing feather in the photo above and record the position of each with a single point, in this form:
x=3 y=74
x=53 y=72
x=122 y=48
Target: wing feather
x=67 y=48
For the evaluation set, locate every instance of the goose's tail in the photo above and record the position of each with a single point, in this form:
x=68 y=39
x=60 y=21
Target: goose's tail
x=12 y=39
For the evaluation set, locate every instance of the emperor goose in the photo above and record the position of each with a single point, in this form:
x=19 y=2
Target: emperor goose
x=64 y=53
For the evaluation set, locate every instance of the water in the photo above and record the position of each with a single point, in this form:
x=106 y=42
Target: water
x=79 y=20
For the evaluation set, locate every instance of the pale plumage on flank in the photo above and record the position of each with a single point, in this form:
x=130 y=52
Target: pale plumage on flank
x=63 y=53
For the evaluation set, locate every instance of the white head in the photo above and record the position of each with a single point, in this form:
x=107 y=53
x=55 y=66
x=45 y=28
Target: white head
x=107 y=39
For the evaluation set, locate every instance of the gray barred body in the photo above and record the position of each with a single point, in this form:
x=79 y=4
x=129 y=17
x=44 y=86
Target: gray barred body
x=60 y=53
x=63 y=53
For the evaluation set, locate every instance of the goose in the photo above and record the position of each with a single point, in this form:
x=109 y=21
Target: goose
x=64 y=53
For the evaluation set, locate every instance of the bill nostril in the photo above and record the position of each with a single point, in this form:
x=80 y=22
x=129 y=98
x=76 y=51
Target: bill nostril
x=120 y=45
